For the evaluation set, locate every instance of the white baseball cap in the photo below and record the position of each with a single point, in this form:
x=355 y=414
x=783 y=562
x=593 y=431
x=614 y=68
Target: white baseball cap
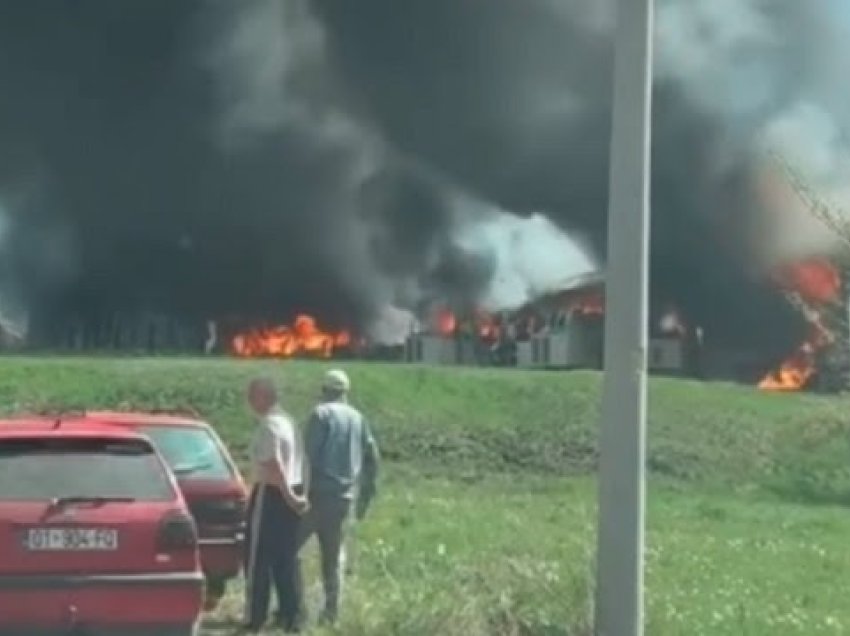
x=336 y=380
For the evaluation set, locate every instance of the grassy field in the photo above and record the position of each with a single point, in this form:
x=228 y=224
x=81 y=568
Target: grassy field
x=485 y=522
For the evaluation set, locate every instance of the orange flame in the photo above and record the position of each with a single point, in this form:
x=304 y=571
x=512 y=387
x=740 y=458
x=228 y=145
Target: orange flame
x=795 y=372
x=446 y=322
x=284 y=341
x=488 y=329
x=592 y=304
x=817 y=281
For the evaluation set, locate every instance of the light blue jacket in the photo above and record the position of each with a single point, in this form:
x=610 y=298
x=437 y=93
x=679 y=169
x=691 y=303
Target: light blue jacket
x=342 y=453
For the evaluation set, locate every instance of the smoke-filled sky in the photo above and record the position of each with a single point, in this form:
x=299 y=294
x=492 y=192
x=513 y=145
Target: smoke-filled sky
x=260 y=156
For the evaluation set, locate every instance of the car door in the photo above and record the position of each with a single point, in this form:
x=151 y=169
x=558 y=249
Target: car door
x=213 y=490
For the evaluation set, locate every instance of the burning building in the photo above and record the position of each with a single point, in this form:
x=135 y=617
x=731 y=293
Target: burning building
x=168 y=165
x=565 y=330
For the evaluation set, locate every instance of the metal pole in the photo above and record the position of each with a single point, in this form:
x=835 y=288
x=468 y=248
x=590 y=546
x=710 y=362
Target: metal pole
x=620 y=548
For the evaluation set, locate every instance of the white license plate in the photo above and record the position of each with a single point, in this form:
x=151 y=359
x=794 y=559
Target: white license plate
x=71 y=539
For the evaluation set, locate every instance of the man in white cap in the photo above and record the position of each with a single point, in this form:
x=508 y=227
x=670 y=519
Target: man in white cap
x=343 y=467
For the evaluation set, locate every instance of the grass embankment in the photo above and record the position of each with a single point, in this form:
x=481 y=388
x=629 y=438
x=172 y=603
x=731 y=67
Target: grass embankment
x=485 y=523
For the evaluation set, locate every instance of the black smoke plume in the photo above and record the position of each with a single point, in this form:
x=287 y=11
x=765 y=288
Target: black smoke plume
x=259 y=157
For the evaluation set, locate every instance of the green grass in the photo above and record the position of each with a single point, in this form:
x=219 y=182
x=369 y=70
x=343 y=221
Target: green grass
x=486 y=518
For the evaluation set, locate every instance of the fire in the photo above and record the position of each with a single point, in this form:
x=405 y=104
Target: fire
x=285 y=341
x=446 y=322
x=485 y=326
x=817 y=281
x=796 y=371
x=793 y=374
x=814 y=282
x=587 y=305
x=488 y=327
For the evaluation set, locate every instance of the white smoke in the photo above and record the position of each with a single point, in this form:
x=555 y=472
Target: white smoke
x=392 y=326
x=13 y=317
x=527 y=257
x=735 y=61
x=809 y=142
x=531 y=256
x=717 y=49
x=812 y=139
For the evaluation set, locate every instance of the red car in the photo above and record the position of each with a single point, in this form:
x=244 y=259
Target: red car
x=210 y=482
x=95 y=536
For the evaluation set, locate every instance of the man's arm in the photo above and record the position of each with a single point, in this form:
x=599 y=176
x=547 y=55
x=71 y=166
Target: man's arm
x=371 y=457
x=314 y=437
x=306 y=470
x=369 y=476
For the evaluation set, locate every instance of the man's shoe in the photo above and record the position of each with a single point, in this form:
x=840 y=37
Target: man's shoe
x=288 y=627
x=328 y=617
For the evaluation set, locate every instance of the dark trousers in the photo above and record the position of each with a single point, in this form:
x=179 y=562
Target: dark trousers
x=271 y=548
x=328 y=518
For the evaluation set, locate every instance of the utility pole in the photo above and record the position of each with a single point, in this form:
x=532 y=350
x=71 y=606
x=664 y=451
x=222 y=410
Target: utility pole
x=622 y=489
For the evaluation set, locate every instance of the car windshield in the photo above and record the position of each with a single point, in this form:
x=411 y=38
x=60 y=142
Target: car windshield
x=189 y=451
x=35 y=469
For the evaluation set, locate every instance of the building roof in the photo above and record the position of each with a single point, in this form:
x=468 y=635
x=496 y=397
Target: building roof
x=589 y=279
x=571 y=287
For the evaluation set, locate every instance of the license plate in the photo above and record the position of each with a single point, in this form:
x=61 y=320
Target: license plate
x=71 y=539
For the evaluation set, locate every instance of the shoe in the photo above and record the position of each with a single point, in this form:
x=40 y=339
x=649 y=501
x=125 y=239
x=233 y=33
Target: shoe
x=328 y=617
x=288 y=627
x=211 y=604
